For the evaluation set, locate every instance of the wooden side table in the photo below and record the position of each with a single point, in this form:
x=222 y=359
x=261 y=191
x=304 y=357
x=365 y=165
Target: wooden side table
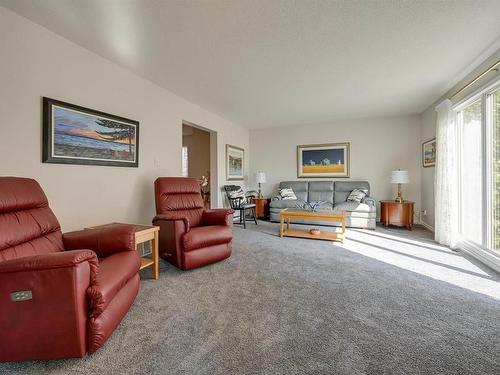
x=261 y=207
x=398 y=214
x=145 y=233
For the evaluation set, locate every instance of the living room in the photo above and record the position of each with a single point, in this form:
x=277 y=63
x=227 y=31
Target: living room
x=345 y=218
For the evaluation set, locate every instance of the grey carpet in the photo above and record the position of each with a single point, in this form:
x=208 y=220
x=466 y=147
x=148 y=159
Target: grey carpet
x=385 y=302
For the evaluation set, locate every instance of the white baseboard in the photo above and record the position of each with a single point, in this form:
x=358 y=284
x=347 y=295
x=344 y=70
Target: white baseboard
x=427 y=226
x=485 y=256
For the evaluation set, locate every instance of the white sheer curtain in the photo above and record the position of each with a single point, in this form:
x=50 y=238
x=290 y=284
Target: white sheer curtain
x=446 y=182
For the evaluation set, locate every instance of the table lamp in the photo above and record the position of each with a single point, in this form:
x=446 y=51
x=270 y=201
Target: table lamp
x=260 y=178
x=399 y=177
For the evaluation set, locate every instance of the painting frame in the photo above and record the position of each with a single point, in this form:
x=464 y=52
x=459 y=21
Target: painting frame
x=236 y=151
x=49 y=146
x=430 y=160
x=322 y=148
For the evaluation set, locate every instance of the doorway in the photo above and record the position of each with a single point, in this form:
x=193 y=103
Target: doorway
x=197 y=160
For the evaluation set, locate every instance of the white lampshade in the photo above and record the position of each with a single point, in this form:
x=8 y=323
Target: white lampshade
x=400 y=177
x=260 y=177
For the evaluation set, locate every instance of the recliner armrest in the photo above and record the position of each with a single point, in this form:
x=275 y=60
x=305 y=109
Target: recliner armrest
x=220 y=216
x=59 y=259
x=104 y=241
x=172 y=216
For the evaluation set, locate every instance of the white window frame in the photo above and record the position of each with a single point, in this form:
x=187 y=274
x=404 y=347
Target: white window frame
x=484 y=93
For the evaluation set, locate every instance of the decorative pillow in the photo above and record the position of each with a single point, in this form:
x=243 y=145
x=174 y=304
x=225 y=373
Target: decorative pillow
x=356 y=196
x=236 y=194
x=287 y=193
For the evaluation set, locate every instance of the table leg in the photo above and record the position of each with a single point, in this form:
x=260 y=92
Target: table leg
x=281 y=225
x=154 y=245
x=288 y=224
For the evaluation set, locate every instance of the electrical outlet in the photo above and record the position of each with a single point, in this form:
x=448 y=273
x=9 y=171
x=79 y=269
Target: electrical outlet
x=424 y=212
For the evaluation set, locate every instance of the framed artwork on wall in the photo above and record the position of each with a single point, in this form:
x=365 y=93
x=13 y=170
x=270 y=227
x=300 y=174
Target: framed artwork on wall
x=235 y=162
x=429 y=153
x=78 y=135
x=323 y=160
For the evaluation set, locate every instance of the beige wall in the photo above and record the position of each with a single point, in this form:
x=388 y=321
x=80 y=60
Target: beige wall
x=36 y=62
x=378 y=146
x=428 y=131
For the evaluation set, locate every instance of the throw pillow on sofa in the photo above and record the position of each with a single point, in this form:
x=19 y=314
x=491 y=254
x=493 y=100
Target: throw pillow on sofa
x=356 y=196
x=287 y=193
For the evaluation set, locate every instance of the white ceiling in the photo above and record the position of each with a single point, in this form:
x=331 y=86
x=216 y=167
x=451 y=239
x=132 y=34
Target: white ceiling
x=267 y=63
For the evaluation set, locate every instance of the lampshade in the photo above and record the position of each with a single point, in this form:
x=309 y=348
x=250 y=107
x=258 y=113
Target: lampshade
x=260 y=177
x=400 y=177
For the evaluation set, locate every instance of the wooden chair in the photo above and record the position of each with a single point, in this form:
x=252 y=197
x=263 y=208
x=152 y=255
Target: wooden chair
x=242 y=203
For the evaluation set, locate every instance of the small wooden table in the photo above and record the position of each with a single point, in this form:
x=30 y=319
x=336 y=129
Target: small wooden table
x=287 y=214
x=261 y=207
x=144 y=233
x=398 y=214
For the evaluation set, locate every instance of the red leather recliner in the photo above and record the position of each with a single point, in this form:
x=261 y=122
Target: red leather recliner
x=60 y=295
x=190 y=236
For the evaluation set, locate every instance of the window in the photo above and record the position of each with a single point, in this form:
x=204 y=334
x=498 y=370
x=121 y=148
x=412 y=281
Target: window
x=185 y=162
x=494 y=104
x=478 y=121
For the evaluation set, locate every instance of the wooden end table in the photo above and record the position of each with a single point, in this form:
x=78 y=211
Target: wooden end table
x=398 y=214
x=144 y=233
x=287 y=214
x=261 y=207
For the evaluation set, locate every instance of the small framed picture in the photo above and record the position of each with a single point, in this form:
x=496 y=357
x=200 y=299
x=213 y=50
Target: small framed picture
x=78 y=135
x=429 y=153
x=324 y=160
x=235 y=162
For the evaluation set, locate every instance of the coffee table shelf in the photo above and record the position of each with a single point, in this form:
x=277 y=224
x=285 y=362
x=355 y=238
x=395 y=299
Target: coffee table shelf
x=288 y=214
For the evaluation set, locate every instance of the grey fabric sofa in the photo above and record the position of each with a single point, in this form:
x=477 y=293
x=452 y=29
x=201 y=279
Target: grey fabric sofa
x=334 y=195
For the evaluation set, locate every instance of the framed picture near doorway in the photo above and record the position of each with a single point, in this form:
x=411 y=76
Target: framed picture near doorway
x=235 y=162
x=429 y=153
x=323 y=160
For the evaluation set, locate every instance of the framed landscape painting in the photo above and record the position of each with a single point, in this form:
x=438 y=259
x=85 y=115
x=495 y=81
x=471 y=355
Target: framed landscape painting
x=78 y=135
x=429 y=153
x=235 y=161
x=324 y=160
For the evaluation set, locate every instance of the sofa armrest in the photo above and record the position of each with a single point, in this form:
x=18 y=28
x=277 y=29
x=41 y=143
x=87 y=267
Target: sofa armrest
x=221 y=216
x=173 y=216
x=103 y=241
x=369 y=201
x=44 y=305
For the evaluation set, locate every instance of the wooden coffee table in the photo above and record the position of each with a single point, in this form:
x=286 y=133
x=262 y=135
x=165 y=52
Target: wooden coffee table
x=287 y=214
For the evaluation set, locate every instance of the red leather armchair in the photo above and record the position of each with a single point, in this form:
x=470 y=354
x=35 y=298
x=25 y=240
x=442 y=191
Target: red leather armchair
x=190 y=236
x=60 y=295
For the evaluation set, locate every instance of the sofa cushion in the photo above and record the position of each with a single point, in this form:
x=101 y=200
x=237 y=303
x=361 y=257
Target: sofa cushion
x=354 y=207
x=286 y=203
x=321 y=191
x=200 y=237
x=114 y=272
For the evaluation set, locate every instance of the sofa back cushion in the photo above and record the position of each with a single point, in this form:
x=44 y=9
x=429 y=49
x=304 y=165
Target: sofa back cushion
x=300 y=188
x=27 y=224
x=179 y=194
x=344 y=188
x=321 y=191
